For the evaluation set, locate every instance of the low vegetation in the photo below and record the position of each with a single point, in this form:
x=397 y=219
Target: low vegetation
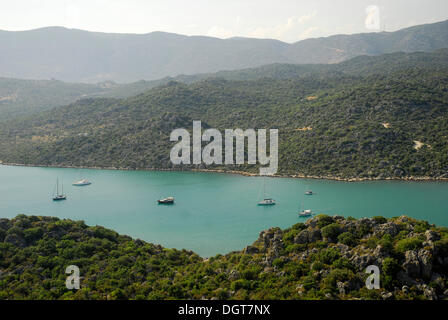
x=324 y=258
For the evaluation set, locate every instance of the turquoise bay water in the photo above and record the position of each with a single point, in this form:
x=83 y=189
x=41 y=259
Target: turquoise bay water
x=214 y=213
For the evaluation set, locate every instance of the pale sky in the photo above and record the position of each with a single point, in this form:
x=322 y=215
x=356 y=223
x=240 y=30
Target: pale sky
x=286 y=20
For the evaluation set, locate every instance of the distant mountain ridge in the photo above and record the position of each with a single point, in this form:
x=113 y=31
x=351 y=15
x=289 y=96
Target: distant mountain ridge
x=82 y=56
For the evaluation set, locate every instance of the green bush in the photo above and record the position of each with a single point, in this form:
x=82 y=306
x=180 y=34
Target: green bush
x=299 y=226
x=240 y=284
x=408 y=244
x=348 y=239
x=288 y=237
x=386 y=242
x=337 y=275
x=331 y=231
x=390 y=267
x=441 y=247
x=33 y=234
x=371 y=243
x=329 y=255
x=342 y=263
x=379 y=219
x=317 y=266
x=324 y=220
x=421 y=226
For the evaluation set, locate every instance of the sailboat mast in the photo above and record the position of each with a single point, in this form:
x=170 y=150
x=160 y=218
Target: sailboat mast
x=57 y=186
x=264 y=187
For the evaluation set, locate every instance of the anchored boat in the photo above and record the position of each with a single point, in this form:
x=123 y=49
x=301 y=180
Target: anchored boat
x=169 y=200
x=266 y=201
x=305 y=213
x=59 y=196
x=83 y=182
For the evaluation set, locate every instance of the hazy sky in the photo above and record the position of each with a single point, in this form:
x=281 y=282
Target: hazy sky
x=286 y=20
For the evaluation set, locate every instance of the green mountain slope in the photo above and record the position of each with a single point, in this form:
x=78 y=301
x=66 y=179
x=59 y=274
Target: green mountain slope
x=82 y=56
x=20 y=97
x=340 y=125
x=26 y=97
x=324 y=258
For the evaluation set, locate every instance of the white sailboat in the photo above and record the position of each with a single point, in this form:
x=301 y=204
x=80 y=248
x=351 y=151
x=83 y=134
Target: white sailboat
x=266 y=201
x=305 y=212
x=309 y=192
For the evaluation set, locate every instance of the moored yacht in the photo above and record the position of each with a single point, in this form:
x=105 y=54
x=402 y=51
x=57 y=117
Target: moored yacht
x=266 y=202
x=83 y=182
x=169 y=200
x=305 y=213
x=59 y=196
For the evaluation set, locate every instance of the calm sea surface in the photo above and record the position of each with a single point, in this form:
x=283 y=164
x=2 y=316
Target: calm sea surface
x=214 y=213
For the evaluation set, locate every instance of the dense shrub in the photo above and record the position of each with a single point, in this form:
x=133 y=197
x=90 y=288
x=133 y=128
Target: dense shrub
x=408 y=244
x=328 y=256
x=324 y=220
x=379 y=219
x=348 y=239
x=331 y=231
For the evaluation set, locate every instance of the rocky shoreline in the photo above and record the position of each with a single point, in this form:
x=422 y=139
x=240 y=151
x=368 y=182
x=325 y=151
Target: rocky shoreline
x=242 y=173
x=412 y=253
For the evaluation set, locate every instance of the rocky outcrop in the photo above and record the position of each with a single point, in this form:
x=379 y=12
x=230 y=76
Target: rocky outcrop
x=432 y=236
x=271 y=242
x=411 y=264
x=308 y=236
x=251 y=250
x=418 y=264
x=389 y=228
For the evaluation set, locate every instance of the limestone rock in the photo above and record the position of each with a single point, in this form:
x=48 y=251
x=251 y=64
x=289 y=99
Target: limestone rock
x=251 y=250
x=308 y=236
x=387 y=295
x=432 y=235
x=386 y=228
x=425 y=260
x=234 y=275
x=412 y=264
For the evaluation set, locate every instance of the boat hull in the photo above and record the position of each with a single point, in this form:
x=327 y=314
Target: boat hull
x=266 y=204
x=165 y=202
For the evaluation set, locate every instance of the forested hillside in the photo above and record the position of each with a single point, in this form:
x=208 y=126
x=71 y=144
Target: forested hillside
x=364 y=124
x=25 y=97
x=323 y=258
x=20 y=97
